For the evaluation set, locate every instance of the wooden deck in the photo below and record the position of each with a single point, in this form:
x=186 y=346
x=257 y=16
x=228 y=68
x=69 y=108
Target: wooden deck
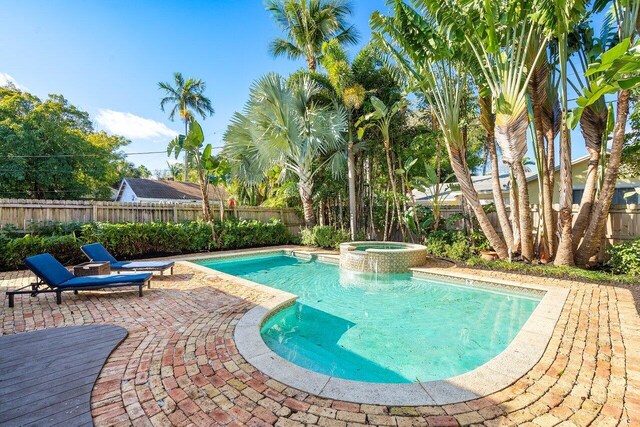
x=46 y=376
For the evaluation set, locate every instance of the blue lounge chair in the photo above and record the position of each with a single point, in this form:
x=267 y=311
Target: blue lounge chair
x=58 y=279
x=97 y=252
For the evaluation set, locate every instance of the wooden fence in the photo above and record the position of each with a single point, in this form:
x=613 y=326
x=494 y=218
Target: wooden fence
x=623 y=223
x=23 y=212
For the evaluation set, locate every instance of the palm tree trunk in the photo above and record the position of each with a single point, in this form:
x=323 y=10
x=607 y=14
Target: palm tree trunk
x=501 y=209
x=461 y=170
x=372 y=226
x=526 y=223
x=340 y=213
x=186 y=154
x=593 y=124
x=311 y=63
x=564 y=256
x=392 y=180
x=305 y=188
x=548 y=183
x=515 y=212
x=488 y=121
x=385 y=235
x=547 y=239
x=351 y=172
x=591 y=242
x=351 y=167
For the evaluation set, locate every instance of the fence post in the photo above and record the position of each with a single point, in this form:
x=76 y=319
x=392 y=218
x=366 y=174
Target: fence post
x=94 y=212
x=175 y=213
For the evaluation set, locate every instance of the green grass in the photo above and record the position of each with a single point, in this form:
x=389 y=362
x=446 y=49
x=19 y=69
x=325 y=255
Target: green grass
x=554 y=271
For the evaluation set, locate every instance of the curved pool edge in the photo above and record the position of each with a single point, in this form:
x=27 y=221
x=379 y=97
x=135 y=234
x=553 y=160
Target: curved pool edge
x=520 y=356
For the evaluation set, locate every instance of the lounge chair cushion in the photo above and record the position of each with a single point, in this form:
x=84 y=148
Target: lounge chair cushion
x=49 y=269
x=132 y=265
x=97 y=252
x=104 y=280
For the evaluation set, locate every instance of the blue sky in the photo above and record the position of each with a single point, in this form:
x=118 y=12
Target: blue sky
x=108 y=56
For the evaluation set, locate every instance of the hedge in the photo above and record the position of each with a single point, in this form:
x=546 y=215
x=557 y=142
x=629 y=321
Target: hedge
x=137 y=240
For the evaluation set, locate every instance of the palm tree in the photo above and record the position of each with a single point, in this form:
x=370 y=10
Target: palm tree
x=617 y=69
x=175 y=170
x=185 y=99
x=593 y=121
x=282 y=125
x=488 y=121
x=433 y=61
x=307 y=25
x=501 y=52
x=539 y=95
x=558 y=17
x=381 y=118
x=350 y=94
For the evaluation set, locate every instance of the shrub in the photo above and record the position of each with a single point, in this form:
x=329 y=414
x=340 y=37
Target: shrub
x=329 y=237
x=449 y=244
x=65 y=248
x=625 y=258
x=132 y=240
x=306 y=237
x=54 y=228
x=324 y=236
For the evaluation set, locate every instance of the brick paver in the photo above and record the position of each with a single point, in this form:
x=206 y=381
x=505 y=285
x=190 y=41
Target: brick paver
x=179 y=364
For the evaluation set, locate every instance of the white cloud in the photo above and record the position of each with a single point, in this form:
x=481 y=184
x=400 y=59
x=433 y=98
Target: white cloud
x=131 y=126
x=5 y=79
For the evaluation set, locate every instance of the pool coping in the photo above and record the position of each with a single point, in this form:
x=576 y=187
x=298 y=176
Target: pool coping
x=524 y=351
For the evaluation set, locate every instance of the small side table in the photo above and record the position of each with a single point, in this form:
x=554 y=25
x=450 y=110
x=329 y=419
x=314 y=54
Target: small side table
x=92 y=268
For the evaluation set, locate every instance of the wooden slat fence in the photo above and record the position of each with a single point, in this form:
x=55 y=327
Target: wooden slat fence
x=623 y=223
x=23 y=212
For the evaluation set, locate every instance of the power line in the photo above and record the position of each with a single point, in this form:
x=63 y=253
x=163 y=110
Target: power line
x=46 y=156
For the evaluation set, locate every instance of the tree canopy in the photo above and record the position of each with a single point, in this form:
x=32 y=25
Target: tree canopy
x=51 y=151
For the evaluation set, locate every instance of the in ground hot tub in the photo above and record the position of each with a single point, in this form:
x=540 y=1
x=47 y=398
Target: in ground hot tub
x=382 y=257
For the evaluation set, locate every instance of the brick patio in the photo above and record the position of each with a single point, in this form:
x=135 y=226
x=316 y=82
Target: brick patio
x=179 y=364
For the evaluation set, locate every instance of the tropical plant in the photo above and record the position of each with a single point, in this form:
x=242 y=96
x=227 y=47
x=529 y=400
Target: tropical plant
x=381 y=118
x=558 y=18
x=351 y=95
x=191 y=145
x=500 y=46
x=488 y=121
x=185 y=99
x=283 y=126
x=618 y=71
x=307 y=25
x=587 y=48
x=433 y=62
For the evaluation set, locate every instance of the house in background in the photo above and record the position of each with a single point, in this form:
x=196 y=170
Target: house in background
x=579 y=168
x=450 y=194
x=164 y=191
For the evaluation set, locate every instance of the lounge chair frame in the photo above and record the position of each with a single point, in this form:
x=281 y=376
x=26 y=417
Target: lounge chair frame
x=34 y=289
x=161 y=270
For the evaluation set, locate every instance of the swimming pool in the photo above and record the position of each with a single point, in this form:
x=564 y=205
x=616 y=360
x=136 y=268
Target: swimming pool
x=390 y=328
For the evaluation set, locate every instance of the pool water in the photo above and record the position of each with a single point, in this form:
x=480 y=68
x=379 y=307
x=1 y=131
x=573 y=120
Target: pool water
x=387 y=247
x=388 y=328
